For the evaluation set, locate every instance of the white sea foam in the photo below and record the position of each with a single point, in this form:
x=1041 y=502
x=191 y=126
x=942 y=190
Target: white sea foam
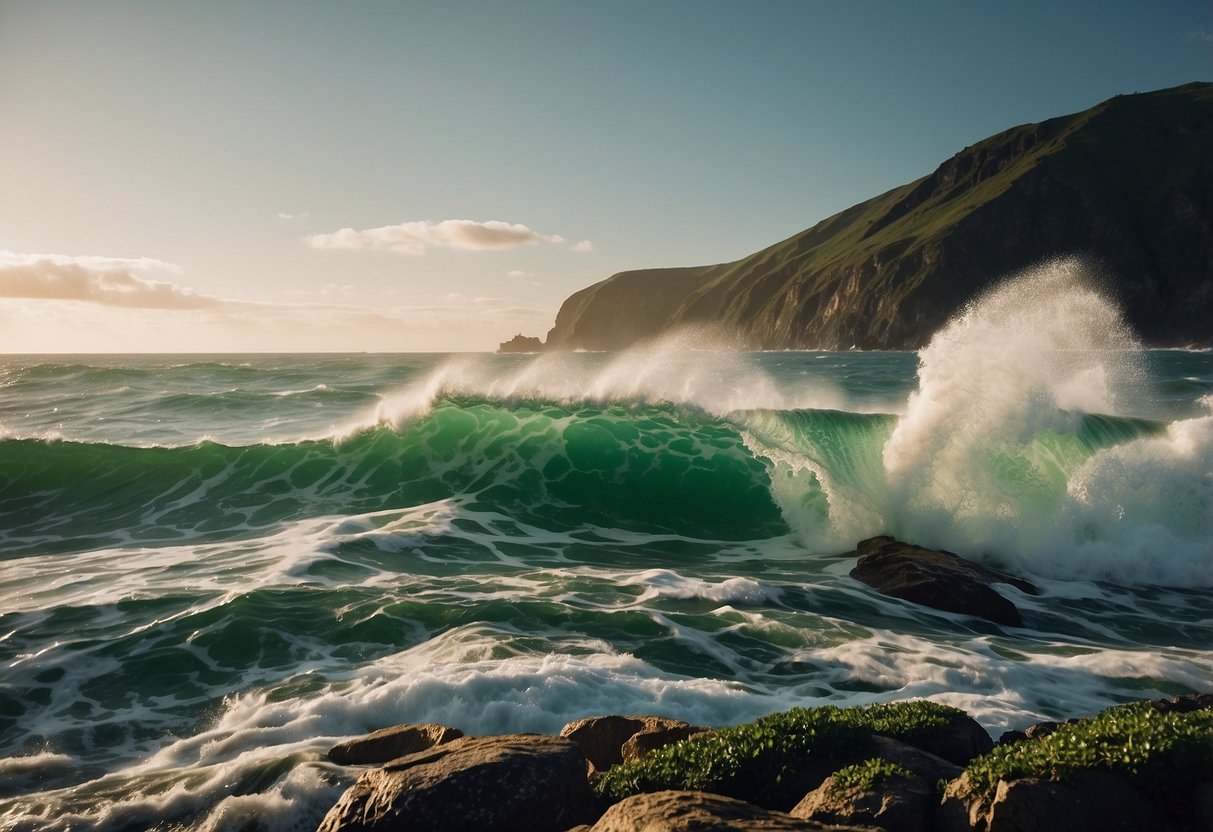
x=665 y=583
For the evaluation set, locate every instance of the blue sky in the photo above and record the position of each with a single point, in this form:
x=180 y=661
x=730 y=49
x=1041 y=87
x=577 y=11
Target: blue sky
x=198 y=176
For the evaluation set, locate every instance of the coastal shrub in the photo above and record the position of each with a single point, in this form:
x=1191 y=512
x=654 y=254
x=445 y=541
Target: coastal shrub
x=1165 y=753
x=866 y=776
x=751 y=761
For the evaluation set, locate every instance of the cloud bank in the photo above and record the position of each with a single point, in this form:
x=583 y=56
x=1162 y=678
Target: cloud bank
x=415 y=238
x=108 y=304
x=109 y=281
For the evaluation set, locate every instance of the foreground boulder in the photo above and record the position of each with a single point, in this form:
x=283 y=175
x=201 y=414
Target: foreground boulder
x=390 y=743
x=679 y=811
x=1089 y=801
x=900 y=802
x=609 y=740
x=936 y=579
x=477 y=784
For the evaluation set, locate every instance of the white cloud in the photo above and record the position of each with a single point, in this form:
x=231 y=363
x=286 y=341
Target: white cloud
x=109 y=281
x=283 y=215
x=581 y=247
x=1201 y=34
x=415 y=238
x=518 y=273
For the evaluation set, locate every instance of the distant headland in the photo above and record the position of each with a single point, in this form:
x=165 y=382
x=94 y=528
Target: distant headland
x=1127 y=185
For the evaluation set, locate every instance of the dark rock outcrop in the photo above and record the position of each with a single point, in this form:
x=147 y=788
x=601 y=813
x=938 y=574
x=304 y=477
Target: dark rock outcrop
x=936 y=579
x=609 y=740
x=1125 y=184
x=696 y=812
x=474 y=784
x=521 y=343
x=896 y=804
x=390 y=743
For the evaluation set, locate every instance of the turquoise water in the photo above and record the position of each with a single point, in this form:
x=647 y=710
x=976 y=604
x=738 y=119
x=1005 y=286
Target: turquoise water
x=216 y=567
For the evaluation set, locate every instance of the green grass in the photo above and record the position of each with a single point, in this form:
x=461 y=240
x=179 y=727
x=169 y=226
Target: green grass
x=1165 y=753
x=751 y=761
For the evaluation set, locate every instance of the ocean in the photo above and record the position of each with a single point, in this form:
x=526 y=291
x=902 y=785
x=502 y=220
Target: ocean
x=216 y=567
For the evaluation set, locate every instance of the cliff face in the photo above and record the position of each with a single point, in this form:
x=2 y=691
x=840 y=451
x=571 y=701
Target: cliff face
x=1127 y=184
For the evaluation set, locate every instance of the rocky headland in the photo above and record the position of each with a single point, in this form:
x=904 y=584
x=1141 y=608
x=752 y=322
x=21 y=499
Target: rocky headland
x=1126 y=185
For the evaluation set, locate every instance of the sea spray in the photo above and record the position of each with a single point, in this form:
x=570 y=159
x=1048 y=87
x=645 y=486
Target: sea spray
x=1027 y=358
x=978 y=461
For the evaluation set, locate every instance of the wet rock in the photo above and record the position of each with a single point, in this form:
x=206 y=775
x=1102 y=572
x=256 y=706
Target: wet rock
x=390 y=743
x=896 y=804
x=473 y=784
x=608 y=740
x=673 y=811
x=937 y=579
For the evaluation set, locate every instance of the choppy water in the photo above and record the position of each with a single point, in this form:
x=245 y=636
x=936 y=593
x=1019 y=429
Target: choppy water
x=216 y=567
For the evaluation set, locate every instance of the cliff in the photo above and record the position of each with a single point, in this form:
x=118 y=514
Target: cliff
x=1127 y=184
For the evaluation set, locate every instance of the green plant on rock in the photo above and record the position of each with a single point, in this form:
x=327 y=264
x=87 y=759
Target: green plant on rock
x=751 y=761
x=865 y=776
x=1165 y=753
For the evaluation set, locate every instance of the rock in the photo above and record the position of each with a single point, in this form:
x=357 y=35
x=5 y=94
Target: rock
x=1088 y=801
x=658 y=736
x=1185 y=704
x=958 y=743
x=473 y=784
x=390 y=743
x=896 y=804
x=1008 y=737
x=928 y=766
x=603 y=739
x=1041 y=730
x=694 y=812
x=936 y=579
x=521 y=343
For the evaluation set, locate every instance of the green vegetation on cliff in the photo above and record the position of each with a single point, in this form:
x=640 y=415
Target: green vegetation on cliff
x=1127 y=185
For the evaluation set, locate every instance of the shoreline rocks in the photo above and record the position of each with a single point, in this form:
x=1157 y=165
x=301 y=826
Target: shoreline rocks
x=539 y=782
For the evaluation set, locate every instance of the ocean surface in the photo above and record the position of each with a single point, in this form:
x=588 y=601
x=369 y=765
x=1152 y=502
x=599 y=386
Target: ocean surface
x=213 y=568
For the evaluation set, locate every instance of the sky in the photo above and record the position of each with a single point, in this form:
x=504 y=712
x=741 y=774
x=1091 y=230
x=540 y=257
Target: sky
x=265 y=175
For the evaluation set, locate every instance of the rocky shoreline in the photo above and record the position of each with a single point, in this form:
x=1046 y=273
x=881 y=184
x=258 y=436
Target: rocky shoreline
x=902 y=767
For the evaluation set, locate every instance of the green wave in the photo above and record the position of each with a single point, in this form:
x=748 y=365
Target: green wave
x=657 y=469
